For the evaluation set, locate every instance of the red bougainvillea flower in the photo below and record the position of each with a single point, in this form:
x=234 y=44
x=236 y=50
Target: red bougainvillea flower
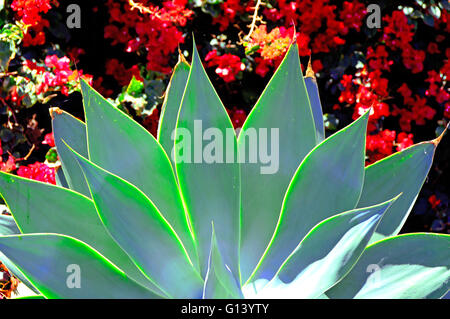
x=404 y=140
x=151 y=122
x=230 y=9
x=120 y=73
x=49 y=140
x=237 y=116
x=227 y=65
x=434 y=201
x=148 y=28
x=39 y=172
x=30 y=11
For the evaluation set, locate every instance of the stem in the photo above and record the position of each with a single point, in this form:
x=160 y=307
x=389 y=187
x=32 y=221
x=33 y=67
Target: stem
x=255 y=18
x=10 y=108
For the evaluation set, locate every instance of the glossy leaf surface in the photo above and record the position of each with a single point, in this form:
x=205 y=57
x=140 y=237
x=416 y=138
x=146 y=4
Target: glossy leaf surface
x=276 y=136
x=334 y=168
x=123 y=147
x=44 y=208
x=57 y=265
x=403 y=172
x=401 y=267
x=325 y=255
x=208 y=172
x=73 y=132
x=140 y=229
x=171 y=106
x=219 y=282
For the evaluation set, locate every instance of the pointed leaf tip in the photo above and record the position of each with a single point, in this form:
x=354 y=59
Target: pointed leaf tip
x=53 y=111
x=437 y=140
x=309 y=70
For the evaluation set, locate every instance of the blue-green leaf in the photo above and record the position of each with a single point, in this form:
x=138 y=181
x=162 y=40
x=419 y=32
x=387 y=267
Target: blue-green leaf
x=401 y=267
x=208 y=176
x=140 y=229
x=280 y=129
x=64 y=267
x=325 y=255
x=334 y=172
x=44 y=208
x=8 y=225
x=316 y=106
x=404 y=172
x=73 y=131
x=171 y=105
x=123 y=147
x=219 y=282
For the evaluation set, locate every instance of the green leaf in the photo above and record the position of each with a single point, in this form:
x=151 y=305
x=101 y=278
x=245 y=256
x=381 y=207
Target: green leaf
x=316 y=106
x=30 y=297
x=135 y=87
x=325 y=255
x=12 y=267
x=73 y=131
x=7 y=53
x=284 y=111
x=139 y=228
x=208 y=177
x=219 y=282
x=8 y=225
x=44 y=208
x=171 y=106
x=60 y=178
x=401 y=267
x=51 y=262
x=123 y=147
x=333 y=172
x=403 y=172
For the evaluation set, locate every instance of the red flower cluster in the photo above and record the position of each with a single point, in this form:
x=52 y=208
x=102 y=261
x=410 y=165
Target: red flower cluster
x=380 y=145
x=366 y=90
x=418 y=110
x=39 y=172
x=145 y=26
x=55 y=75
x=49 y=140
x=398 y=35
x=314 y=15
x=237 y=116
x=227 y=65
x=151 y=122
x=29 y=11
x=320 y=27
x=120 y=73
x=231 y=9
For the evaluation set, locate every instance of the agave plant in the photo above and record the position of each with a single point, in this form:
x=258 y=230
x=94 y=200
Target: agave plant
x=139 y=217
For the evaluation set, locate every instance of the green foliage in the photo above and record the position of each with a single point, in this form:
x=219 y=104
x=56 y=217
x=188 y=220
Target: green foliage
x=10 y=37
x=140 y=223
